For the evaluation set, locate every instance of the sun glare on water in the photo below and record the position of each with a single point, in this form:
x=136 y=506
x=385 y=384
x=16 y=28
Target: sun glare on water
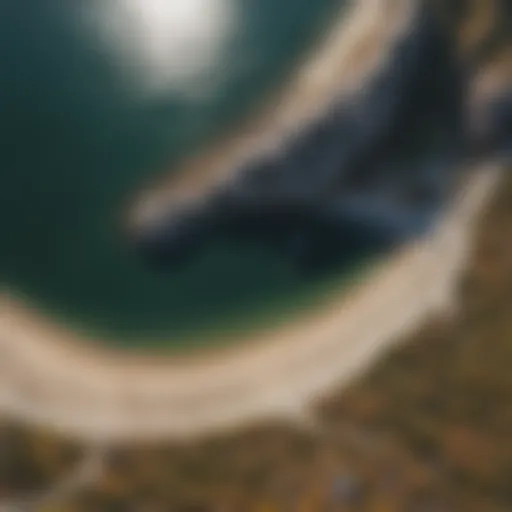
x=167 y=45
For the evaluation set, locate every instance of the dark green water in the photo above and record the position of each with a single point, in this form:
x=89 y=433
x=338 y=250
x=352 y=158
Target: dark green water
x=74 y=146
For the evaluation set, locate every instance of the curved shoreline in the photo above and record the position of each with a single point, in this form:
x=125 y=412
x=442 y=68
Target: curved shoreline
x=52 y=377
x=100 y=399
x=359 y=32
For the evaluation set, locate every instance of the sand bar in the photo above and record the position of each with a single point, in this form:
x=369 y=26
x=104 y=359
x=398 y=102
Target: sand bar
x=354 y=48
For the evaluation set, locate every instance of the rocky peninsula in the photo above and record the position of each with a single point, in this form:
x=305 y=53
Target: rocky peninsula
x=376 y=164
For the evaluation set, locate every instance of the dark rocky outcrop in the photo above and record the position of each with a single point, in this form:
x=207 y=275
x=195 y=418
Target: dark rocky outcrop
x=497 y=133
x=371 y=172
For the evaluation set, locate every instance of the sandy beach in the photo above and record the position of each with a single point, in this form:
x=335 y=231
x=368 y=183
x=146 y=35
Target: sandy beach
x=54 y=377
x=47 y=379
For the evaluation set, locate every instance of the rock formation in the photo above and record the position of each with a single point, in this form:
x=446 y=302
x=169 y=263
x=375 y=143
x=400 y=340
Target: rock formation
x=373 y=171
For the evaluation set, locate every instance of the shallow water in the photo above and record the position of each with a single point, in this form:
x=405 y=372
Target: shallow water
x=79 y=135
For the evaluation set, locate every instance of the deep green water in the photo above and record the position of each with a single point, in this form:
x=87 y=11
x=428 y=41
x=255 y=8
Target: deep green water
x=74 y=146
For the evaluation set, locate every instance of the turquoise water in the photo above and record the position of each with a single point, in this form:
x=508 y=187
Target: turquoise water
x=75 y=146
